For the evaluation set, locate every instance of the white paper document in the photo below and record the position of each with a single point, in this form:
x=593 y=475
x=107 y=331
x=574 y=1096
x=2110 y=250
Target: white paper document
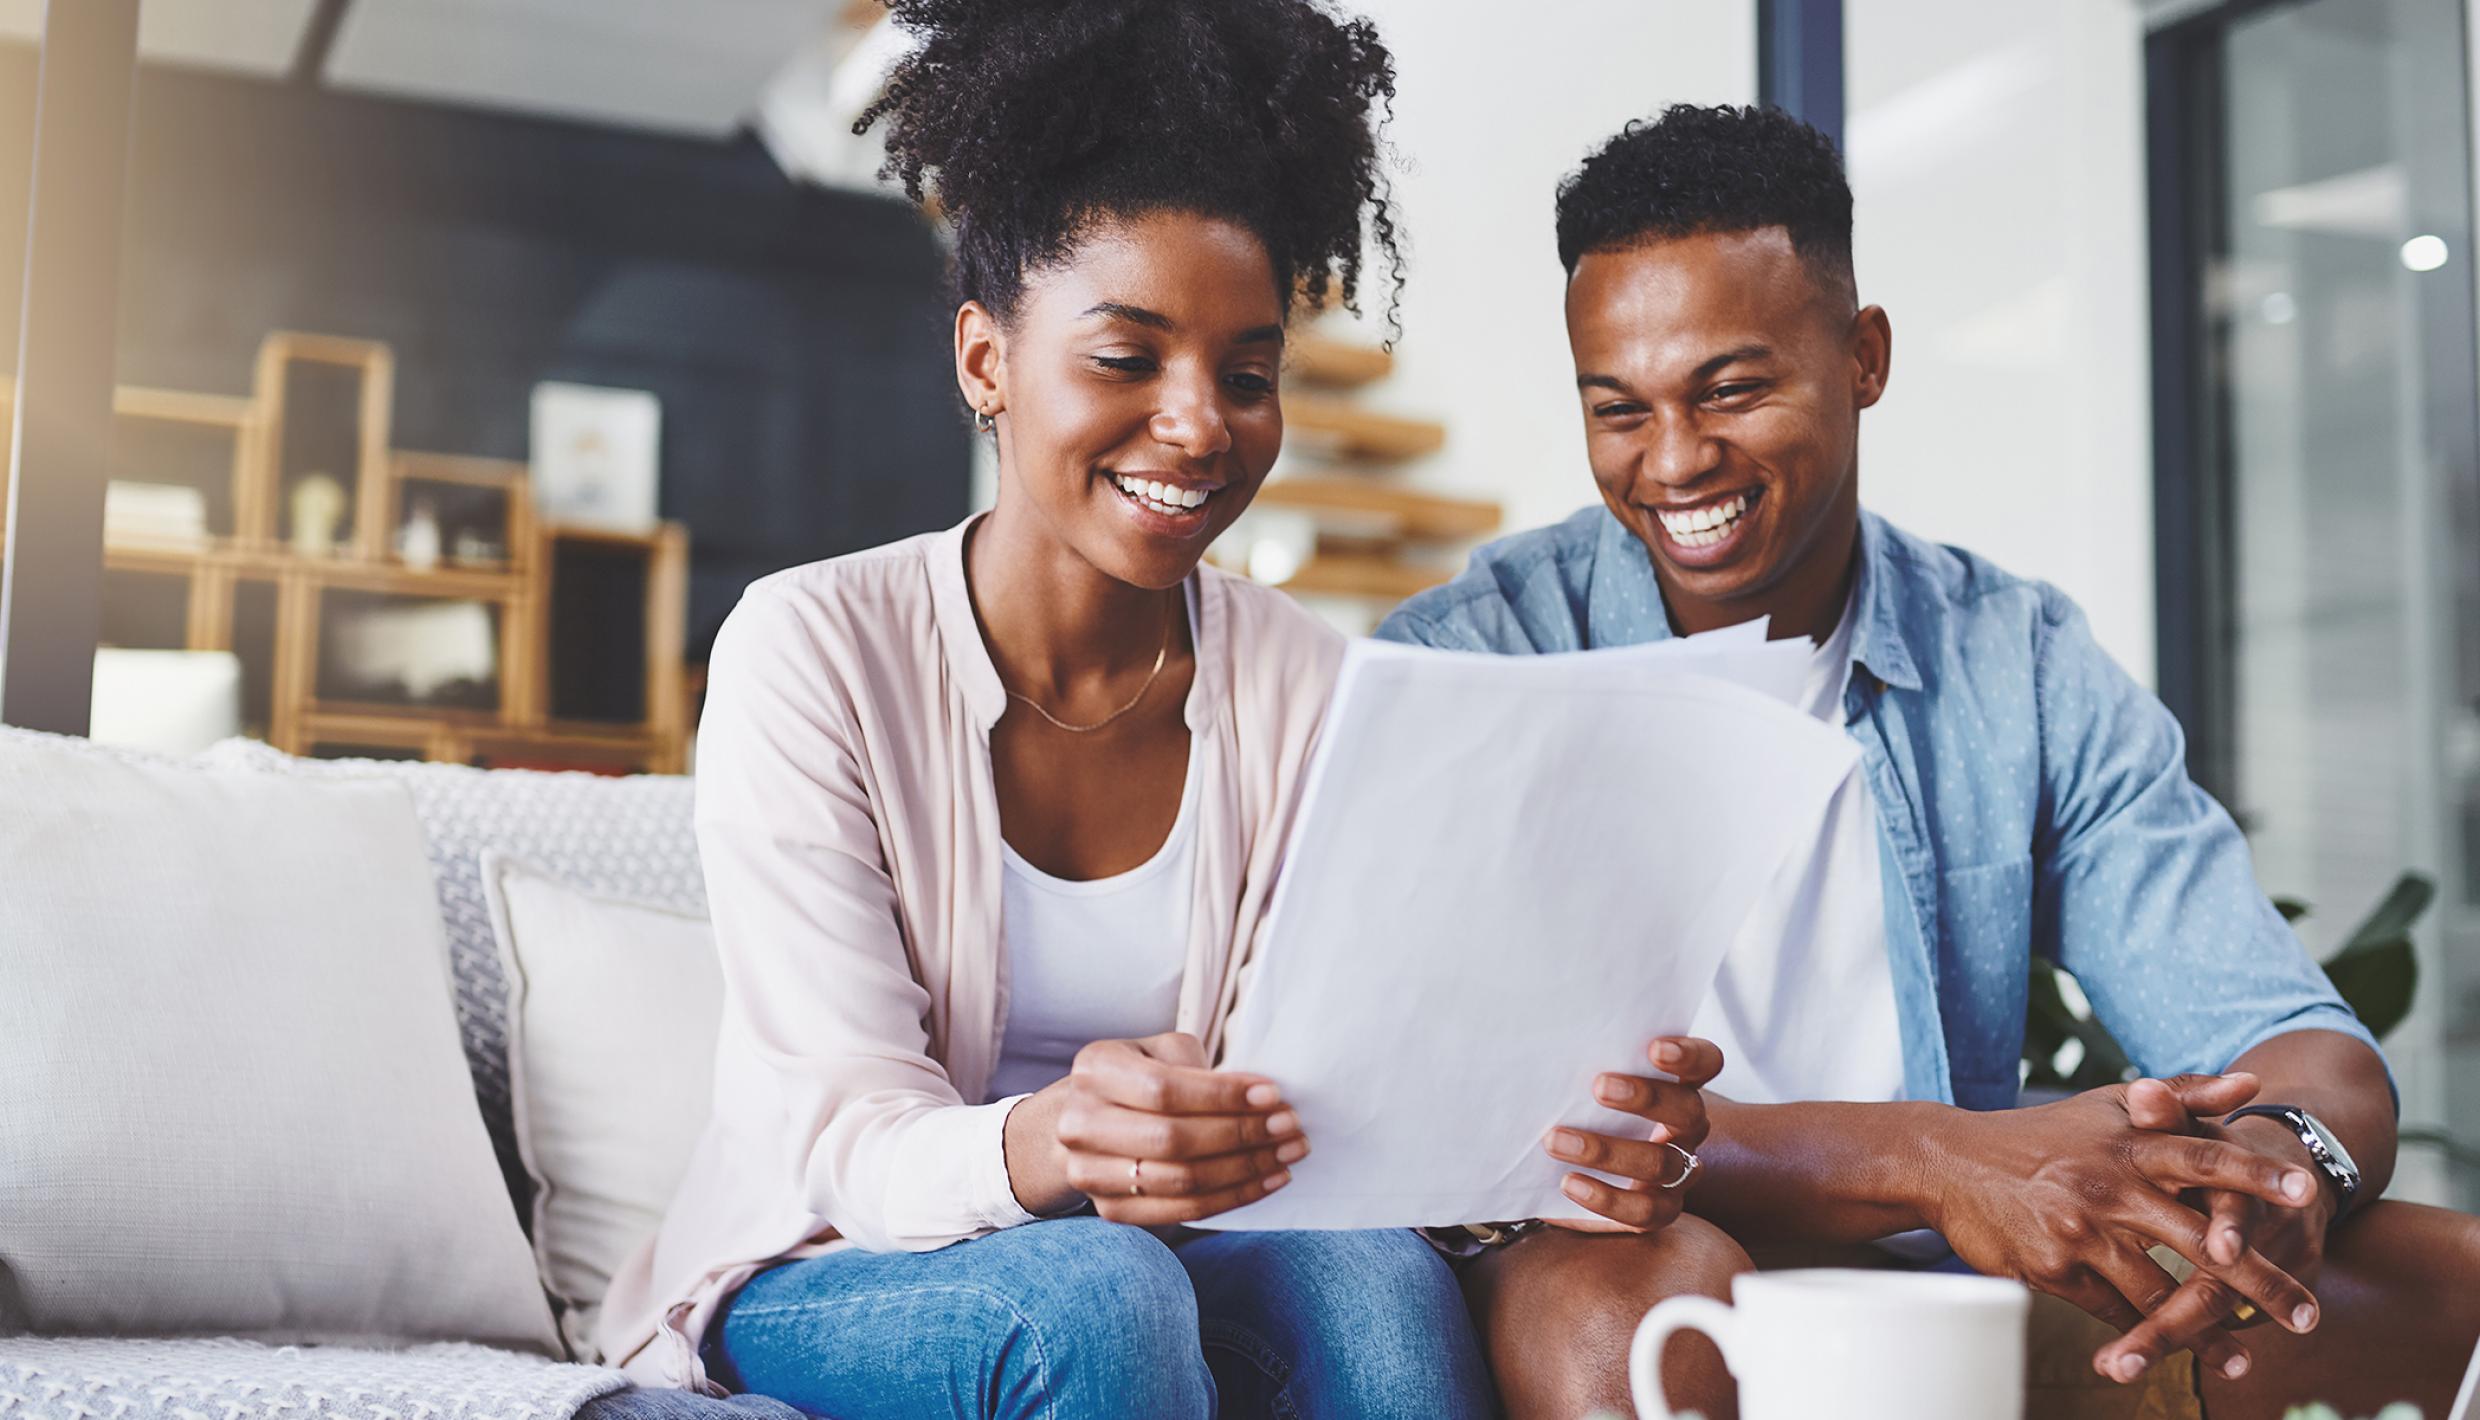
x=1510 y=874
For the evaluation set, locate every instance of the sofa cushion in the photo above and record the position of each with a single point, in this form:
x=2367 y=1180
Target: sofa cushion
x=631 y=838
x=613 y=1012
x=45 y=1378
x=235 y=1103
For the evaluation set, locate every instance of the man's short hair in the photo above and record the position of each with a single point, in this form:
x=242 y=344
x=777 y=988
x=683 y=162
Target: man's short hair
x=1698 y=170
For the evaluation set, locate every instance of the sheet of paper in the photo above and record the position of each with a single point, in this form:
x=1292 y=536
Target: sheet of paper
x=1510 y=874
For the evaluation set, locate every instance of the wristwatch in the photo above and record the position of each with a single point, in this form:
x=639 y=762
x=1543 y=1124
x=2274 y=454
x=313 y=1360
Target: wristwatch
x=2326 y=1150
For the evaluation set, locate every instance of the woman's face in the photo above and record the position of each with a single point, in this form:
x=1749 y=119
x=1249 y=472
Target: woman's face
x=1136 y=391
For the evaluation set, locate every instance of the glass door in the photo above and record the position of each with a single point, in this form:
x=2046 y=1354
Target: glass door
x=2336 y=557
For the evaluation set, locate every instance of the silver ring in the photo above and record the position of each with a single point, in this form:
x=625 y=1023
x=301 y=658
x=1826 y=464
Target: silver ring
x=1688 y=1165
x=1136 y=1183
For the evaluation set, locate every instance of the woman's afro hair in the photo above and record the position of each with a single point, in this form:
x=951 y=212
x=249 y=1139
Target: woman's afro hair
x=1031 y=119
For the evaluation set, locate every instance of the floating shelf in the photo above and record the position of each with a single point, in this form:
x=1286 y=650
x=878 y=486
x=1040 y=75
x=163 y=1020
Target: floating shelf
x=1324 y=361
x=1361 y=575
x=1346 y=428
x=1384 y=509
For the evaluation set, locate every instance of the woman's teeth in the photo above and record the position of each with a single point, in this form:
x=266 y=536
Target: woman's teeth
x=1703 y=527
x=1162 y=497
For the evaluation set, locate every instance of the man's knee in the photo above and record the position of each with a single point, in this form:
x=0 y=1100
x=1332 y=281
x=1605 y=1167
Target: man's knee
x=1585 y=1284
x=2413 y=1259
x=1560 y=1309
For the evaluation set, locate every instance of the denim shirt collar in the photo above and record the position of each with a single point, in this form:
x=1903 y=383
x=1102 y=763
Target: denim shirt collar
x=1624 y=606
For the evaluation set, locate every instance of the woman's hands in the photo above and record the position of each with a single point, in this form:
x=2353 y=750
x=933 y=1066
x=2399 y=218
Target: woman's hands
x=1676 y=1112
x=1152 y=1135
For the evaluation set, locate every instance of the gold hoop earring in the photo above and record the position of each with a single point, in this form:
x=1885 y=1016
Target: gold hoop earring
x=983 y=421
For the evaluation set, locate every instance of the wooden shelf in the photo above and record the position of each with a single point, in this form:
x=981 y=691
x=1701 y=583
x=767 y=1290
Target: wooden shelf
x=218 y=411
x=396 y=579
x=1346 y=428
x=1329 y=363
x=1384 y=510
x=1334 y=574
x=460 y=741
x=319 y=713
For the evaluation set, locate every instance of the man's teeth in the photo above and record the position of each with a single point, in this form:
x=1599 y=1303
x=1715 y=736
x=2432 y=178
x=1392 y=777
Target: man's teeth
x=1164 y=497
x=1703 y=527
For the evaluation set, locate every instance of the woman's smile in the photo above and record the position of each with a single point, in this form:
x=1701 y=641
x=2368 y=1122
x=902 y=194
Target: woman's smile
x=1167 y=506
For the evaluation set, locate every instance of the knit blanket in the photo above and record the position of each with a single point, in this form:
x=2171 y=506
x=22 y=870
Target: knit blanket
x=43 y=1378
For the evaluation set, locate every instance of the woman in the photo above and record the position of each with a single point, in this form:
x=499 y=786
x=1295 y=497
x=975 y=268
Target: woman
x=990 y=817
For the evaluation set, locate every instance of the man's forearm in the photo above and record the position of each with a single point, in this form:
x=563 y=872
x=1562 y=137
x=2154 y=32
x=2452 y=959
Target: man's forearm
x=2342 y=1082
x=1817 y=1172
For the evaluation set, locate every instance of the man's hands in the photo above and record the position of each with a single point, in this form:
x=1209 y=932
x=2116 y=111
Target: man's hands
x=1676 y=1113
x=2070 y=1196
x=1151 y=1135
x=2291 y=1237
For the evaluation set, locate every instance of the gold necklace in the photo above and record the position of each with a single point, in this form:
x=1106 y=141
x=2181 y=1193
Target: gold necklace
x=1160 y=656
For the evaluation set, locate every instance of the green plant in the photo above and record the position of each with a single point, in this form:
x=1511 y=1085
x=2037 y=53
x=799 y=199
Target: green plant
x=2374 y=970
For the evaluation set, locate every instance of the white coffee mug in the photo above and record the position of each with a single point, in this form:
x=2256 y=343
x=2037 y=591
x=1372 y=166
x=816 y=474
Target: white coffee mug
x=1857 y=1345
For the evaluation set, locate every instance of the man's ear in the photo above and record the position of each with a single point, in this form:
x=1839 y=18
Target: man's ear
x=1872 y=355
x=981 y=365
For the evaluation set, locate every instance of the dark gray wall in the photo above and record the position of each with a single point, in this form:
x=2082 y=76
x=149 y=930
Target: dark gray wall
x=798 y=337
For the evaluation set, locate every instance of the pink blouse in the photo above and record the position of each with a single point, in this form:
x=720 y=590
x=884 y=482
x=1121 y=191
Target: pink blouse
x=849 y=830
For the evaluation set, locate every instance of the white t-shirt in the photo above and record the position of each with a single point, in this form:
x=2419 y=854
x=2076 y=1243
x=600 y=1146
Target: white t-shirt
x=1804 y=1005
x=1094 y=960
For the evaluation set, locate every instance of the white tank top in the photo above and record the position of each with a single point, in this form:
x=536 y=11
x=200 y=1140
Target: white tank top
x=1094 y=960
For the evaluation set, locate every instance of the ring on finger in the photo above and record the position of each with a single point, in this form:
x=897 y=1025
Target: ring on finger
x=2245 y=1315
x=1136 y=1178
x=1688 y=1165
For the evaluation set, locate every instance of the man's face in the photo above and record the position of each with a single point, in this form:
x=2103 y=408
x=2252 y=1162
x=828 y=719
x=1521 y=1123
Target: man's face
x=1722 y=384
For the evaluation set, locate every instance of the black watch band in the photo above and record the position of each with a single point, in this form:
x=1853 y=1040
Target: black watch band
x=2323 y=1149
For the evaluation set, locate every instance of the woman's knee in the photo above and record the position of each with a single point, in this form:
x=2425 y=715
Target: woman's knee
x=1072 y=1318
x=1106 y=1313
x=1343 y=1323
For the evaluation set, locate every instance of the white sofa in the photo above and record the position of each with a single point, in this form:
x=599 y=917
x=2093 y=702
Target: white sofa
x=628 y=838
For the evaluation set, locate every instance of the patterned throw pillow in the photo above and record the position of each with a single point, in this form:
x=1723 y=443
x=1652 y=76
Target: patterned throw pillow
x=629 y=838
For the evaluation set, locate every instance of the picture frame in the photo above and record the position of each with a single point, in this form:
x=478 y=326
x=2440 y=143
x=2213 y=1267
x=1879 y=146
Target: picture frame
x=597 y=455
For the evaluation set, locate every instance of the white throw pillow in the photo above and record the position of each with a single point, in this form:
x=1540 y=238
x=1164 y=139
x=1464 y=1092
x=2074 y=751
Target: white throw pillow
x=234 y=1102
x=613 y=1008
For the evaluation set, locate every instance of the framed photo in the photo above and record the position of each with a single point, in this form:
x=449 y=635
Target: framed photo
x=596 y=456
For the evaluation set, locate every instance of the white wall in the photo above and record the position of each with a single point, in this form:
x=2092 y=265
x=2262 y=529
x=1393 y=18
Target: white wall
x=1495 y=105
x=1996 y=153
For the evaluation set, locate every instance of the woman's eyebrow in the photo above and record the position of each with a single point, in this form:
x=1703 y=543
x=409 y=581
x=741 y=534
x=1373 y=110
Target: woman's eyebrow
x=1134 y=315
x=1156 y=320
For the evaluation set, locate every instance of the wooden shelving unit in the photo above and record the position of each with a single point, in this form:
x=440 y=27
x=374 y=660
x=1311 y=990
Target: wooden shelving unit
x=1321 y=360
x=252 y=554
x=1383 y=510
x=1340 y=428
x=1376 y=538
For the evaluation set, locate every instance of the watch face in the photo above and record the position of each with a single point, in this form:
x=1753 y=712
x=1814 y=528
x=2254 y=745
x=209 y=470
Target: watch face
x=2333 y=1146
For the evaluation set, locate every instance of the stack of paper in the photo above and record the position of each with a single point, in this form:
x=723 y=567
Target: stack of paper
x=1510 y=874
x=154 y=512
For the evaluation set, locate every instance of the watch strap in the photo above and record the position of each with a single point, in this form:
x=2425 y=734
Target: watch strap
x=2309 y=1132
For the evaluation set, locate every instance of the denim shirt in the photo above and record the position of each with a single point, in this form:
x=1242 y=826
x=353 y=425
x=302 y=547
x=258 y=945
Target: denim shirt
x=2031 y=799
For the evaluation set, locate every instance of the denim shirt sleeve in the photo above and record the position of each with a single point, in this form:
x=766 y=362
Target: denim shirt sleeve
x=2145 y=889
x=1416 y=628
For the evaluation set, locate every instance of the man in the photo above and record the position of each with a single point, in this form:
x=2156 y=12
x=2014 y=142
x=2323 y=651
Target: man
x=2019 y=794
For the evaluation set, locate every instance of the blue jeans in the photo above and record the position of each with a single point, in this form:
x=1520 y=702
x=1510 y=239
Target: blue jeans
x=1076 y=1318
